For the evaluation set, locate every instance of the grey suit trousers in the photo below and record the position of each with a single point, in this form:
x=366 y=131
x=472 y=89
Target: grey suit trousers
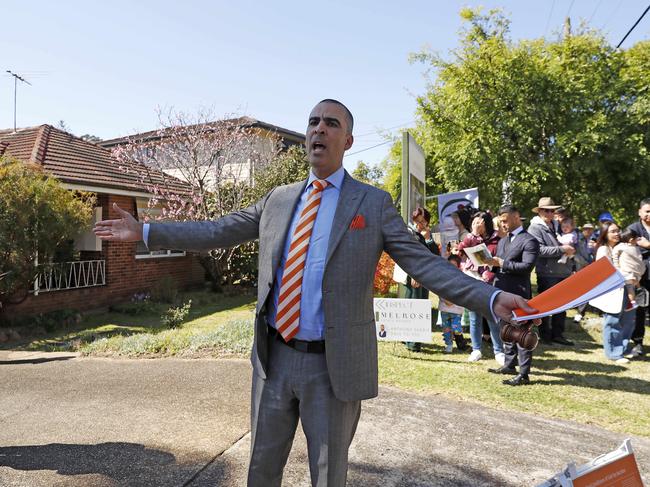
x=298 y=386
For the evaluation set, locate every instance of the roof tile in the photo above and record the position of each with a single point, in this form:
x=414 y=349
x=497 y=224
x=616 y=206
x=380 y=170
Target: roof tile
x=74 y=160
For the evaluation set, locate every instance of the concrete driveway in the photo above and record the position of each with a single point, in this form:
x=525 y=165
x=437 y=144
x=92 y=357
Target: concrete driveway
x=68 y=421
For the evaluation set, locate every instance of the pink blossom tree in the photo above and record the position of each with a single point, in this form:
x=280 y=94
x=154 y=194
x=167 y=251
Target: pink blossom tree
x=218 y=158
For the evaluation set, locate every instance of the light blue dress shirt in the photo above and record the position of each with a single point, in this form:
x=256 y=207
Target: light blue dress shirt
x=312 y=318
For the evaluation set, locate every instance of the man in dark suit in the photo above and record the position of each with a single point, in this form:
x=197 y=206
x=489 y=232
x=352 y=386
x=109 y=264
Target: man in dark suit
x=642 y=227
x=515 y=259
x=315 y=347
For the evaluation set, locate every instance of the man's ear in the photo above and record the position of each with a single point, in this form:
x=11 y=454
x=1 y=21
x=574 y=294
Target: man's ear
x=349 y=141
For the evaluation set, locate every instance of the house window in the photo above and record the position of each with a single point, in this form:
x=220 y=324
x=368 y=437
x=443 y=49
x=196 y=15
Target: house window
x=145 y=214
x=88 y=241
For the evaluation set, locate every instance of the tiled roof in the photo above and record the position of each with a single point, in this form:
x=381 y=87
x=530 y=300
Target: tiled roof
x=76 y=161
x=288 y=136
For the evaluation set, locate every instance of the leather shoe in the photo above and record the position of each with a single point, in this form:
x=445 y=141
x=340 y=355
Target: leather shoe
x=518 y=380
x=504 y=370
x=563 y=341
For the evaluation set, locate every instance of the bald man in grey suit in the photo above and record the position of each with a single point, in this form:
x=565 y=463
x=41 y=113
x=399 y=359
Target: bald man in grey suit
x=321 y=375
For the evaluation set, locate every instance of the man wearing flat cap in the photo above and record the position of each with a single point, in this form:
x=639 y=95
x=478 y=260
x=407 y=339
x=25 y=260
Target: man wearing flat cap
x=550 y=270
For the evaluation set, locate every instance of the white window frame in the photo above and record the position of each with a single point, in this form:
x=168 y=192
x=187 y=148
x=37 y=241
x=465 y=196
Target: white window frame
x=154 y=254
x=161 y=254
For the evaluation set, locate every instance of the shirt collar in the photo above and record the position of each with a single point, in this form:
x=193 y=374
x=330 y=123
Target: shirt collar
x=517 y=230
x=335 y=179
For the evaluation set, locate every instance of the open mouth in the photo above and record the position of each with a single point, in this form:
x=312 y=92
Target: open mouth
x=317 y=147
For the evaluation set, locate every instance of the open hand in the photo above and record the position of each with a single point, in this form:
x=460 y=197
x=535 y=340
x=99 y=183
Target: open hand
x=125 y=229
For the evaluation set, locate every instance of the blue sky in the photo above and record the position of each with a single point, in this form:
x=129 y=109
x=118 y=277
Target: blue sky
x=104 y=67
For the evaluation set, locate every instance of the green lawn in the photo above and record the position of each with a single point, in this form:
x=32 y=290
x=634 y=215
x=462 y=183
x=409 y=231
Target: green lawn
x=575 y=383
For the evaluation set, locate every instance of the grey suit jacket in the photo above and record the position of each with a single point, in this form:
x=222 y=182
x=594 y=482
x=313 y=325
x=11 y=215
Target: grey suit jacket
x=352 y=256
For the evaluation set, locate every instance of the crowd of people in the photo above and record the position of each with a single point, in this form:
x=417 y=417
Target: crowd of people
x=554 y=247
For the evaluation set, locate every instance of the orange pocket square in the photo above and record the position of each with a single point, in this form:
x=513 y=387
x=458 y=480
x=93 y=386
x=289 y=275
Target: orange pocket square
x=358 y=222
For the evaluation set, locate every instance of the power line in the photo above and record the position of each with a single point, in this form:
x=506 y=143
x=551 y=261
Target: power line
x=550 y=14
x=611 y=16
x=367 y=148
x=570 y=7
x=632 y=28
x=594 y=12
x=374 y=132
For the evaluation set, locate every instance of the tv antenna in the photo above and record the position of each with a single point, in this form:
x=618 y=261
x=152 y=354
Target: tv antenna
x=16 y=79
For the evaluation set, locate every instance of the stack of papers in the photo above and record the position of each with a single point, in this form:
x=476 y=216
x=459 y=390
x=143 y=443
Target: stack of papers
x=592 y=281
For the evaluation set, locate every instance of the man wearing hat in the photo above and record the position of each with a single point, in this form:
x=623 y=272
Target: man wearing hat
x=548 y=267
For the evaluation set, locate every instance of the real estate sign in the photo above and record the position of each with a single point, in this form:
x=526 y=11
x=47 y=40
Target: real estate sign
x=403 y=320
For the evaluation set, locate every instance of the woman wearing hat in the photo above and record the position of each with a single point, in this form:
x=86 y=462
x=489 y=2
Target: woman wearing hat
x=548 y=267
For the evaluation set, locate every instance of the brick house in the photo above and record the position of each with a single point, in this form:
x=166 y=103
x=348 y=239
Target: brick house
x=100 y=273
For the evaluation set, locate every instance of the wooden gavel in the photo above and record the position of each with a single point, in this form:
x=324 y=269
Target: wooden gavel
x=523 y=335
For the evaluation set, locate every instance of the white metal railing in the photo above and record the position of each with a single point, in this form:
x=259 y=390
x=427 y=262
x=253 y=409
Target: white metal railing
x=70 y=275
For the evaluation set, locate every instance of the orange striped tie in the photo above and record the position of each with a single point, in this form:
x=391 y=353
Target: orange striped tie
x=287 y=318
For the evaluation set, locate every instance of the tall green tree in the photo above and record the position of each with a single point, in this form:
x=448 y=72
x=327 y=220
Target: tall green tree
x=372 y=175
x=567 y=119
x=37 y=215
x=287 y=167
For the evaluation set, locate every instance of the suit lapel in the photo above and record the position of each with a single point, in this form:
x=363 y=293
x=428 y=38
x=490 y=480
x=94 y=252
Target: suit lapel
x=352 y=192
x=506 y=245
x=284 y=209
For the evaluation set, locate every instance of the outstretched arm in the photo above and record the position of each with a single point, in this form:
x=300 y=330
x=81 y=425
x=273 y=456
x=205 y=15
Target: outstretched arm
x=124 y=229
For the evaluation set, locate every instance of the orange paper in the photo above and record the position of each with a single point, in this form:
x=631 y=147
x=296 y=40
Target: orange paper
x=570 y=289
x=619 y=473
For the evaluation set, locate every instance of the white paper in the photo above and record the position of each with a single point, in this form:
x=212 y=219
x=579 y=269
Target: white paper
x=611 y=302
x=399 y=275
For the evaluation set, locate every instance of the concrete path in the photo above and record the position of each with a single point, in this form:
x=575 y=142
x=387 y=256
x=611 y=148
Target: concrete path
x=69 y=421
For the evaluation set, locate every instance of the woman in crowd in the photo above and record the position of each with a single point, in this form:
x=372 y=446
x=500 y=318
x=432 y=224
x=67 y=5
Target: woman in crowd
x=421 y=230
x=617 y=326
x=482 y=232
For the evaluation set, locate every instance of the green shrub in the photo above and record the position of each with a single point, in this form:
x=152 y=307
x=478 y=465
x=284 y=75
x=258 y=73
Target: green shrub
x=174 y=316
x=165 y=291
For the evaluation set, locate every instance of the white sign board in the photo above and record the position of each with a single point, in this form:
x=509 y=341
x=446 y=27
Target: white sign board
x=447 y=204
x=450 y=202
x=403 y=320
